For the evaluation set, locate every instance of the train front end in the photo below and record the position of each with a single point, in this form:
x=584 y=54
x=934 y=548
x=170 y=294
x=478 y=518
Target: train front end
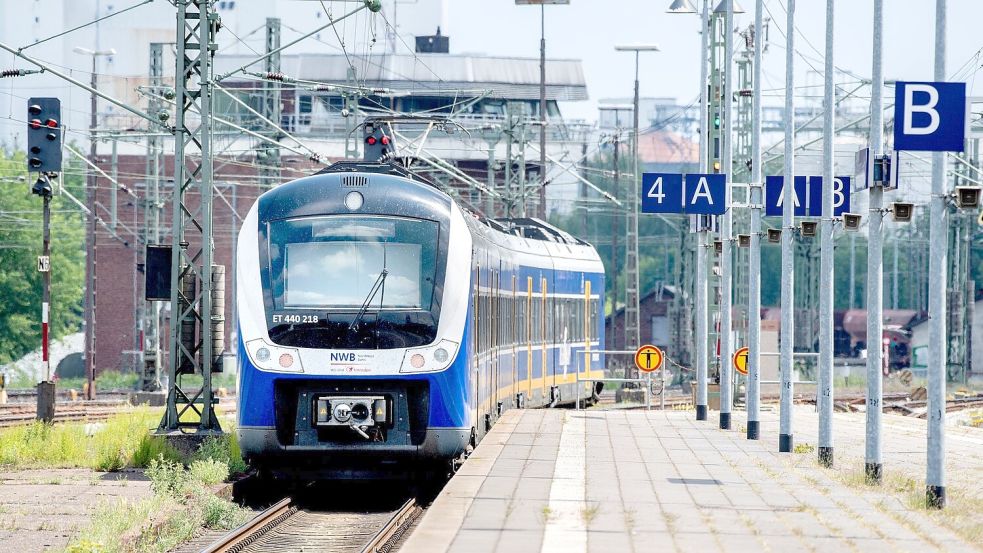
x=351 y=325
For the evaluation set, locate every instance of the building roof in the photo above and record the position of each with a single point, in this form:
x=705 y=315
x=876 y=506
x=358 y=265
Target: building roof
x=667 y=147
x=664 y=292
x=440 y=74
x=855 y=321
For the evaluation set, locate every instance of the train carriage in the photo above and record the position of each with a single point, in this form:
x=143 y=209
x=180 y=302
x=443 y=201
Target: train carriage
x=381 y=325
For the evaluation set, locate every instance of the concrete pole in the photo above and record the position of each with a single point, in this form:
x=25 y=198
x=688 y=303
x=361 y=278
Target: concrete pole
x=113 y=195
x=853 y=270
x=827 y=280
x=46 y=295
x=541 y=211
x=875 y=265
x=632 y=326
x=788 y=242
x=894 y=270
x=754 y=259
x=938 y=263
x=701 y=243
x=727 y=224
x=90 y=243
x=489 y=199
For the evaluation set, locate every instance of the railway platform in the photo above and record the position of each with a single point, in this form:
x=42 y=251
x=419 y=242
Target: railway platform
x=579 y=481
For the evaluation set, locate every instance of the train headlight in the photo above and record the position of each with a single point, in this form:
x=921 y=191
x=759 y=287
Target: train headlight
x=354 y=200
x=269 y=357
x=429 y=359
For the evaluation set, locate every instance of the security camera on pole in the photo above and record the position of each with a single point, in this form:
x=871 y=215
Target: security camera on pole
x=44 y=158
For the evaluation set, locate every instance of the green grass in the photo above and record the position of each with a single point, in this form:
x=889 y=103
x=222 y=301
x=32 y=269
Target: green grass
x=116 y=380
x=181 y=506
x=963 y=503
x=219 y=380
x=124 y=440
x=106 y=380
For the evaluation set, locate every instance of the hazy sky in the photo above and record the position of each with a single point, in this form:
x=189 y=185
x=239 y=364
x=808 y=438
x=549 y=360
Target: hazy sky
x=589 y=29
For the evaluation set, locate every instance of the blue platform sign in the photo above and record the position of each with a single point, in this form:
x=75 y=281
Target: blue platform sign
x=807 y=197
x=695 y=195
x=706 y=194
x=662 y=193
x=930 y=117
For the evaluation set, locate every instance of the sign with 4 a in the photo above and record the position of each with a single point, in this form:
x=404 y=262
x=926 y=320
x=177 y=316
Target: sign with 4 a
x=695 y=194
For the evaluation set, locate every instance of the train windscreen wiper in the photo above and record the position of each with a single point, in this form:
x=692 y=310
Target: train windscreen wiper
x=379 y=281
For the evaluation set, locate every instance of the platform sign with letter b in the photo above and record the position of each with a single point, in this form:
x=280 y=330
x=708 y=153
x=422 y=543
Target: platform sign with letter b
x=930 y=117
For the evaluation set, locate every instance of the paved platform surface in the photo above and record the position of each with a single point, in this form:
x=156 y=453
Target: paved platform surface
x=41 y=510
x=612 y=481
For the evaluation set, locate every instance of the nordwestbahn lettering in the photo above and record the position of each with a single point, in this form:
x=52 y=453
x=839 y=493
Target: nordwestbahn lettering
x=695 y=194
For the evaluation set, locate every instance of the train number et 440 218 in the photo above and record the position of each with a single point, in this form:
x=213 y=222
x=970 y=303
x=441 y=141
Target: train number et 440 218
x=295 y=319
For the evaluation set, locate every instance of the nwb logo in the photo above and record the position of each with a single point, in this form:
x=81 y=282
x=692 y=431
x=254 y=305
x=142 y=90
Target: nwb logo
x=350 y=357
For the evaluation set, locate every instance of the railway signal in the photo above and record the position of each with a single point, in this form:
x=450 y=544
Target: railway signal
x=44 y=158
x=44 y=135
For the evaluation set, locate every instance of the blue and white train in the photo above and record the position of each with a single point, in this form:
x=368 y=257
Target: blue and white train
x=381 y=325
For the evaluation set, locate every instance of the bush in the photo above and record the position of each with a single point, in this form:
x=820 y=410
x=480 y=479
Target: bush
x=152 y=447
x=224 y=449
x=167 y=478
x=208 y=472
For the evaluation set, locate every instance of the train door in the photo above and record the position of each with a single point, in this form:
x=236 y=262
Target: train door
x=528 y=321
x=543 y=343
x=513 y=337
x=477 y=341
x=493 y=369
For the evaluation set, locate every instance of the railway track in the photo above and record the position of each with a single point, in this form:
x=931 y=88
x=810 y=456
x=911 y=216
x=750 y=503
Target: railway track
x=17 y=414
x=289 y=527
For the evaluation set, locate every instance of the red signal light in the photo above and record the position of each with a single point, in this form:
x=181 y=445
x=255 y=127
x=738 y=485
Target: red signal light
x=370 y=141
x=385 y=140
x=35 y=123
x=52 y=123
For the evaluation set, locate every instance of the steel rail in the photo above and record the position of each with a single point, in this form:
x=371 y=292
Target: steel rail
x=252 y=530
x=385 y=539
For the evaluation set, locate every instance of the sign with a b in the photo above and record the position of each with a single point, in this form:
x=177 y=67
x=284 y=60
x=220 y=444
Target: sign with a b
x=930 y=117
x=807 y=196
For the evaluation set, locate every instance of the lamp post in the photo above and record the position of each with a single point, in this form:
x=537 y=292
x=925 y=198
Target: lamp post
x=542 y=97
x=685 y=7
x=632 y=326
x=90 y=248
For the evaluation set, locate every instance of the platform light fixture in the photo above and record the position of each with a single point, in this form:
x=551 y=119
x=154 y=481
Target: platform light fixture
x=808 y=228
x=744 y=240
x=774 y=235
x=721 y=7
x=681 y=6
x=851 y=222
x=902 y=211
x=968 y=196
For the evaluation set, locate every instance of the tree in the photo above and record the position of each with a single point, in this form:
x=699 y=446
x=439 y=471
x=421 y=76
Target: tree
x=20 y=245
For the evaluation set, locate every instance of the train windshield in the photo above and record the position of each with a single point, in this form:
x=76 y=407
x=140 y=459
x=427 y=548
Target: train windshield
x=353 y=282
